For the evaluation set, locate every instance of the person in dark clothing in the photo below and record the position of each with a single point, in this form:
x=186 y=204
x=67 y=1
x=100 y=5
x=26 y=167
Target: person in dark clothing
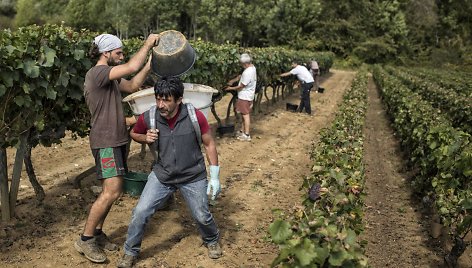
x=180 y=165
x=306 y=81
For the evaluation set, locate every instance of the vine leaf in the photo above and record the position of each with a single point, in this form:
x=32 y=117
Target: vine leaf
x=467 y=204
x=351 y=238
x=51 y=94
x=27 y=88
x=337 y=258
x=47 y=58
x=31 y=69
x=79 y=54
x=306 y=252
x=19 y=100
x=3 y=89
x=322 y=253
x=7 y=79
x=10 y=49
x=280 y=231
x=63 y=79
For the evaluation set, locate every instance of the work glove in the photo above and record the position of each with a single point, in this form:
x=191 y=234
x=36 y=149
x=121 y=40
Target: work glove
x=214 y=182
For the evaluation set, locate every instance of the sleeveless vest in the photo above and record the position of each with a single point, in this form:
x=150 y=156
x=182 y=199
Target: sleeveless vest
x=180 y=158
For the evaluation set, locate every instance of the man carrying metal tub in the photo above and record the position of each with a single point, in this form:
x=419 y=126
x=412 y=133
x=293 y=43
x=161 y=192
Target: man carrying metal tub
x=108 y=134
x=180 y=165
x=306 y=79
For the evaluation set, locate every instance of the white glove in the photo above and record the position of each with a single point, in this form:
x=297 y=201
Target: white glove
x=214 y=182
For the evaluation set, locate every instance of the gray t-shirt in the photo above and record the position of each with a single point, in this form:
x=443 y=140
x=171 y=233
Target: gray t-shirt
x=103 y=99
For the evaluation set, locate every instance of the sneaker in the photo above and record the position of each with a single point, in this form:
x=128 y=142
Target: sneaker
x=90 y=250
x=214 y=251
x=244 y=137
x=104 y=242
x=127 y=261
x=239 y=133
x=306 y=114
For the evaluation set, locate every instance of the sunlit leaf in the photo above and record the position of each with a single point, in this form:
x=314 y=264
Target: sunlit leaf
x=322 y=254
x=79 y=54
x=305 y=252
x=31 y=69
x=280 y=231
x=49 y=56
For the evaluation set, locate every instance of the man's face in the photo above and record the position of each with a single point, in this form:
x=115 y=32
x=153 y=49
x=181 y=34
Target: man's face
x=294 y=64
x=114 y=57
x=167 y=106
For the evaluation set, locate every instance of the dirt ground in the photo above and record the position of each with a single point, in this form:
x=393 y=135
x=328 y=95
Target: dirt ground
x=257 y=177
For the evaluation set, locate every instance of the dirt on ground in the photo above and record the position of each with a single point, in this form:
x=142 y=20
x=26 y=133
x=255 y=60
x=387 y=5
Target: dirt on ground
x=257 y=177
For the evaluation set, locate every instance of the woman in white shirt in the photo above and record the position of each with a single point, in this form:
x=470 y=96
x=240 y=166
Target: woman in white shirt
x=246 y=90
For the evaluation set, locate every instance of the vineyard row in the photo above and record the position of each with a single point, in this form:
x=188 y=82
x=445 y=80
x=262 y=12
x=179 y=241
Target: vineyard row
x=43 y=69
x=456 y=106
x=324 y=230
x=441 y=153
x=42 y=77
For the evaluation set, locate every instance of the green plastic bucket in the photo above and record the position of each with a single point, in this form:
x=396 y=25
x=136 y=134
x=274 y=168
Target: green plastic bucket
x=134 y=183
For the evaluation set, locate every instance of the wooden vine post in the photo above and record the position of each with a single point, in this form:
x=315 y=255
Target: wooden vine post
x=9 y=197
x=5 y=206
x=16 y=175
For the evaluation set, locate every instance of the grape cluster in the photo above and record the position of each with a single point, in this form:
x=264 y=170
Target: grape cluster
x=314 y=192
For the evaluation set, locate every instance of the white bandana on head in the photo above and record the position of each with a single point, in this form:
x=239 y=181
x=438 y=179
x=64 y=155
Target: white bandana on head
x=107 y=42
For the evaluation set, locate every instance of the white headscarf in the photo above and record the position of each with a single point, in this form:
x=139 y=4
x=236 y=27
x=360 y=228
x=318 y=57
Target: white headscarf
x=107 y=42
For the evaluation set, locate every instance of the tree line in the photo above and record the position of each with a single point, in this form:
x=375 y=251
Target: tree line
x=369 y=31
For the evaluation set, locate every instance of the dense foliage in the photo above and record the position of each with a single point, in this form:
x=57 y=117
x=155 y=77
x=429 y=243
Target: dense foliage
x=41 y=82
x=453 y=101
x=44 y=67
x=458 y=81
x=372 y=31
x=323 y=232
x=441 y=152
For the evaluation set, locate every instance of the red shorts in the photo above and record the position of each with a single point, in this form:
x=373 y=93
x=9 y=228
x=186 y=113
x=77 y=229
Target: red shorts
x=243 y=106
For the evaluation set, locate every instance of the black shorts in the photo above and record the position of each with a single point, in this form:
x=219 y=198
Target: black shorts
x=111 y=162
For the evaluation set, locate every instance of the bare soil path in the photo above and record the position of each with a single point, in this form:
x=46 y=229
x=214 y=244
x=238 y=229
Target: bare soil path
x=257 y=177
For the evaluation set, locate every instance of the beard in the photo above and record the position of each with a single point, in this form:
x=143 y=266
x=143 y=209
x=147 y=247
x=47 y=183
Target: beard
x=112 y=62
